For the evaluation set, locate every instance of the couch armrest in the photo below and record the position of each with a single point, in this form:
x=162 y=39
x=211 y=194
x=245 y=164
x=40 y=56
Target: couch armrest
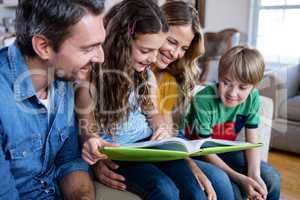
x=279 y=84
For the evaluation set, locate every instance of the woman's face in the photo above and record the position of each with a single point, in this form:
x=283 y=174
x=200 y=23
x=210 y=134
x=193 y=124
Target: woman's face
x=178 y=41
x=144 y=49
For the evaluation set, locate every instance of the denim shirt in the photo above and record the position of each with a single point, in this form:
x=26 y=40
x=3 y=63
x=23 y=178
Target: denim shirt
x=36 y=152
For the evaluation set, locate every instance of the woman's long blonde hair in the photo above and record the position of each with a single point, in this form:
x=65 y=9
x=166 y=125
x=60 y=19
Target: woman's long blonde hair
x=185 y=70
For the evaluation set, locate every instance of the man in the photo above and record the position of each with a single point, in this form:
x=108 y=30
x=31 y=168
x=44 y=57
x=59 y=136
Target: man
x=40 y=156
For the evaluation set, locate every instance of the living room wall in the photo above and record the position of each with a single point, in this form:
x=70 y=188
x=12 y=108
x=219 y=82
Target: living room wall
x=219 y=15
x=222 y=14
x=6 y=12
x=110 y=3
x=229 y=14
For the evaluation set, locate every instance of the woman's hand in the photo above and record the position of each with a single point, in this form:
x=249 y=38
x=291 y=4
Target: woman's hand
x=91 y=149
x=203 y=181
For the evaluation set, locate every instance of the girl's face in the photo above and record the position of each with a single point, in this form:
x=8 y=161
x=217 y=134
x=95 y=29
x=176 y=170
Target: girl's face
x=144 y=49
x=178 y=42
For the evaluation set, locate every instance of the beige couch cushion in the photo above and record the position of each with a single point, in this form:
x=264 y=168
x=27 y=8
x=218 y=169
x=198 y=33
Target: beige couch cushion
x=106 y=193
x=293 y=81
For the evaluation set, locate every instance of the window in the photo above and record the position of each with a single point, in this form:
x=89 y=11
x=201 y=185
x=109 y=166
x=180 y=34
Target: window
x=277 y=30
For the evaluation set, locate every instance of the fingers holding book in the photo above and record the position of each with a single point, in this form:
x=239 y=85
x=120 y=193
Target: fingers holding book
x=91 y=149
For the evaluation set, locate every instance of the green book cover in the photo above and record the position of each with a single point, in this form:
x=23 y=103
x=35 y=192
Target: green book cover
x=173 y=149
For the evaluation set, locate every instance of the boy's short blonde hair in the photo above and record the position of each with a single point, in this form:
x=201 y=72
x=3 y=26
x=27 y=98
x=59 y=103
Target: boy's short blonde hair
x=243 y=64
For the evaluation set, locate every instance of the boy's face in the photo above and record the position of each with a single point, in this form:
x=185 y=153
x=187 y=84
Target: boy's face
x=233 y=92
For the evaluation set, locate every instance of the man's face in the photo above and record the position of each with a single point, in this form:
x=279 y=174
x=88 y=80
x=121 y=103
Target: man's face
x=233 y=92
x=81 y=49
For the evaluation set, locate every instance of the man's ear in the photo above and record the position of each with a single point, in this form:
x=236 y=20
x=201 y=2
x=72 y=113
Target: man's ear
x=42 y=46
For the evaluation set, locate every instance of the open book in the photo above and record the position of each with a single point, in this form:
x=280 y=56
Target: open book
x=173 y=149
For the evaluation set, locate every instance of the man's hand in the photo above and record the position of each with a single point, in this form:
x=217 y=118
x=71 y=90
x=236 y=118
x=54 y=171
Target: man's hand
x=103 y=170
x=90 y=149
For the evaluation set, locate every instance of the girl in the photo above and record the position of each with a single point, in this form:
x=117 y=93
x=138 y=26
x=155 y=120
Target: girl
x=136 y=31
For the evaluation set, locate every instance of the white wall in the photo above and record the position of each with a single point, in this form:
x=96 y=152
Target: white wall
x=6 y=12
x=221 y=14
x=110 y=3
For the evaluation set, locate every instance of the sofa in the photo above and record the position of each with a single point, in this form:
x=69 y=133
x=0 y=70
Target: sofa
x=266 y=113
x=281 y=84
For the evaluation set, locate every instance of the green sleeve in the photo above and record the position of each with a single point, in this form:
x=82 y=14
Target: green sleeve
x=253 y=117
x=198 y=120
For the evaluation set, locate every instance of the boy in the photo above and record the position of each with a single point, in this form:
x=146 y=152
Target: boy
x=220 y=111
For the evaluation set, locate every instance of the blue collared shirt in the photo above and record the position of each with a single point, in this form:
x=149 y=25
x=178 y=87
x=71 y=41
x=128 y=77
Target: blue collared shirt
x=37 y=149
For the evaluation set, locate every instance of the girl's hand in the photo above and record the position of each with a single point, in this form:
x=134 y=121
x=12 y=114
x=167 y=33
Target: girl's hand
x=91 y=149
x=203 y=181
x=161 y=133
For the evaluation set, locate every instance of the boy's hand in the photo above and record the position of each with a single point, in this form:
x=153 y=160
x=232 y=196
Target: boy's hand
x=261 y=182
x=203 y=181
x=103 y=172
x=252 y=189
x=90 y=149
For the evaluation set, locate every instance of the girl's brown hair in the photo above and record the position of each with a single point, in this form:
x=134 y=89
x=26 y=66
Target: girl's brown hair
x=116 y=78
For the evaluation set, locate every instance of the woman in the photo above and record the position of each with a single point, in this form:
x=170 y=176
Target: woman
x=137 y=30
x=176 y=72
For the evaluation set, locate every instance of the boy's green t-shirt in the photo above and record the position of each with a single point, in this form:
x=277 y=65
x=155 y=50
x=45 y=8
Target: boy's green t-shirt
x=209 y=117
